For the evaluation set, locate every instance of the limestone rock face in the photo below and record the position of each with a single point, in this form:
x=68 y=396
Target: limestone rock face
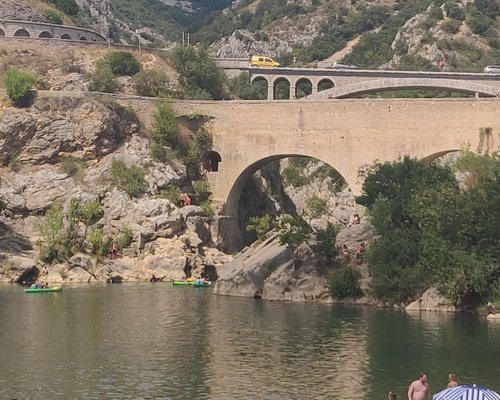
x=51 y=129
x=267 y=272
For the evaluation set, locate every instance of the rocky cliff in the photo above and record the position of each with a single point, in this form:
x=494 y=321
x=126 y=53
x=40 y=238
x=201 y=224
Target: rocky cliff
x=36 y=145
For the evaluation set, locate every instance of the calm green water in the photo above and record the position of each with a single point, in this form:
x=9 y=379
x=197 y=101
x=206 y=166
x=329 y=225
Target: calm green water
x=154 y=341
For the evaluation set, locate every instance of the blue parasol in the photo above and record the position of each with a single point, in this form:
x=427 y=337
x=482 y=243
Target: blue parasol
x=467 y=392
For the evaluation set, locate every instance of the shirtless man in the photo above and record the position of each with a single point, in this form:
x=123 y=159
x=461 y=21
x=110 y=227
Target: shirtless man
x=419 y=389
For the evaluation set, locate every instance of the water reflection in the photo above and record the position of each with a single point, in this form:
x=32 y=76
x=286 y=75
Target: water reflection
x=156 y=341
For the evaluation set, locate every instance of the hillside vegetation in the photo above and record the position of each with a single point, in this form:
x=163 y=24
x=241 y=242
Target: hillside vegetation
x=404 y=34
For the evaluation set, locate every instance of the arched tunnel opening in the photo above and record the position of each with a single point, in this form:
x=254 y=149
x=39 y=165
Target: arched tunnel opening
x=294 y=185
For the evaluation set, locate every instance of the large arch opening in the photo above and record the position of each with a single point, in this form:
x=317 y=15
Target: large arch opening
x=285 y=184
x=83 y=38
x=66 y=36
x=2 y=33
x=21 y=33
x=281 y=89
x=303 y=88
x=45 y=34
x=410 y=87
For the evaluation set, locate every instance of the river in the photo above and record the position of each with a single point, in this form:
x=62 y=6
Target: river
x=155 y=341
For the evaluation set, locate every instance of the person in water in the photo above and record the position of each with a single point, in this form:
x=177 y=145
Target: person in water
x=452 y=381
x=419 y=389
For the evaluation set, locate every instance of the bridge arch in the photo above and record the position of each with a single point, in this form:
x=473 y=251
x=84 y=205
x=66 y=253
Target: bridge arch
x=66 y=36
x=282 y=89
x=233 y=198
x=381 y=85
x=2 y=33
x=21 y=32
x=434 y=156
x=45 y=34
x=83 y=38
x=303 y=87
x=325 y=84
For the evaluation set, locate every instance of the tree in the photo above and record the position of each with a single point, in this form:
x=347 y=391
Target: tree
x=85 y=212
x=260 y=225
x=198 y=72
x=19 y=87
x=292 y=232
x=165 y=125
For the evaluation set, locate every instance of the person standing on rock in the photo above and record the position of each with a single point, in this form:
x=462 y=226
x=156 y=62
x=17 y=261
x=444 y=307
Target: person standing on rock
x=419 y=389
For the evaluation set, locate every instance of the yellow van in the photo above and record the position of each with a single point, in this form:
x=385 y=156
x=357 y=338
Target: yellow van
x=263 y=61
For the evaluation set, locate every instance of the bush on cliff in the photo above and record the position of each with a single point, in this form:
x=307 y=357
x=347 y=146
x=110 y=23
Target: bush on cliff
x=129 y=179
x=150 y=83
x=123 y=63
x=19 y=86
x=165 y=126
x=102 y=79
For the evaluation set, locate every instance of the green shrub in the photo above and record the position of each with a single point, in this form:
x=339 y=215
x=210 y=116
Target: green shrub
x=207 y=209
x=53 y=17
x=198 y=72
x=165 y=126
x=129 y=179
x=241 y=88
x=150 y=83
x=294 y=176
x=19 y=87
x=325 y=249
x=125 y=237
x=68 y=7
x=451 y=26
x=123 y=63
x=73 y=167
x=344 y=282
x=260 y=225
x=171 y=192
x=54 y=241
x=99 y=243
x=203 y=190
x=102 y=79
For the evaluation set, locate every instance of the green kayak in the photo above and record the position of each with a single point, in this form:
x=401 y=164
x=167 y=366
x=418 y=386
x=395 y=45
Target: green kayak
x=42 y=290
x=191 y=283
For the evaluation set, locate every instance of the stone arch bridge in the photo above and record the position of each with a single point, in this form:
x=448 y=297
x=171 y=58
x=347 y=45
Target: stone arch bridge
x=28 y=29
x=346 y=134
x=329 y=83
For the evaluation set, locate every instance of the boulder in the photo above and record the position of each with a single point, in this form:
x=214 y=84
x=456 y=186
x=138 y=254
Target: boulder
x=431 y=300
